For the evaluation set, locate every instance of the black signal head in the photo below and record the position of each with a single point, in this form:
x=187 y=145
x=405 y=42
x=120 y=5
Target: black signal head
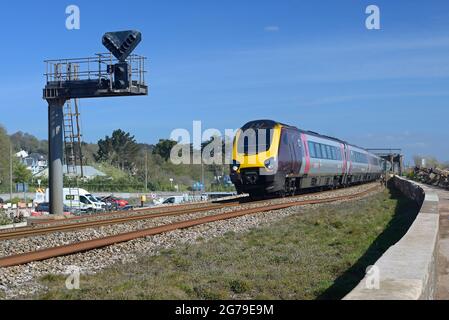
x=122 y=43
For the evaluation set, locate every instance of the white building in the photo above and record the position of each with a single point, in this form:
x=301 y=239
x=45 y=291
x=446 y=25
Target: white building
x=34 y=162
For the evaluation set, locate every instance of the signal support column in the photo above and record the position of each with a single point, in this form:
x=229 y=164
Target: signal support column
x=55 y=150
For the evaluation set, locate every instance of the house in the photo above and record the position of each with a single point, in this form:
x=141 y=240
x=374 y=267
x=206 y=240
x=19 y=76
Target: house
x=34 y=162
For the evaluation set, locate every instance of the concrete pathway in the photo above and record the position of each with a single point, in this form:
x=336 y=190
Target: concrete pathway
x=442 y=290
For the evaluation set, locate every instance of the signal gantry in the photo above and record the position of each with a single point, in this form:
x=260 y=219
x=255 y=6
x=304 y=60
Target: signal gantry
x=118 y=73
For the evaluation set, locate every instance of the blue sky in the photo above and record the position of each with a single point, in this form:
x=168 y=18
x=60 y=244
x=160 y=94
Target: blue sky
x=312 y=64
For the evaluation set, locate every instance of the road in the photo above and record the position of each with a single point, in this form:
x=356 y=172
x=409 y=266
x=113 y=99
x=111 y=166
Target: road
x=124 y=195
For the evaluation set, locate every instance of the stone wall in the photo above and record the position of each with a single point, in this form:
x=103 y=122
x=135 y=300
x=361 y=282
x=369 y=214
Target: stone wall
x=407 y=270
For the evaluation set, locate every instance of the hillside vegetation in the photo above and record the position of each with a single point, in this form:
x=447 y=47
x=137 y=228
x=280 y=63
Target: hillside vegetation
x=127 y=164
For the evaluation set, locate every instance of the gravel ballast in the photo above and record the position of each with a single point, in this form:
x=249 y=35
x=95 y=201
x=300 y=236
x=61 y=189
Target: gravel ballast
x=22 y=280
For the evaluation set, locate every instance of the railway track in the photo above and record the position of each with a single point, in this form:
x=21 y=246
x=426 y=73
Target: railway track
x=30 y=231
x=117 y=217
x=117 y=213
x=83 y=246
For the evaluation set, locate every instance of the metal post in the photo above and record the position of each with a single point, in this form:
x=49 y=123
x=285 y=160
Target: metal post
x=146 y=170
x=78 y=136
x=202 y=176
x=10 y=172
x=55 y=150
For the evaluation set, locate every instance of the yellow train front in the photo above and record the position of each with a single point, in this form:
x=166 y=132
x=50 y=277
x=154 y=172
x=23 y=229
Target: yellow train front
x=273 y=158
x=257 y=154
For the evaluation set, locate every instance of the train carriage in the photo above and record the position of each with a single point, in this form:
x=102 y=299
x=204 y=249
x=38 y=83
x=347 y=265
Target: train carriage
x=270 y=157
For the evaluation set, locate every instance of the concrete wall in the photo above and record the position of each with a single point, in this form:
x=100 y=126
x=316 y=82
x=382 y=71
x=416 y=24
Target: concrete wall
x=407 y=270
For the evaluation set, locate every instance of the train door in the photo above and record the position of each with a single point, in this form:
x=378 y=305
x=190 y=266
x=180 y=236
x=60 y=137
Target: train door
x=294 y=148
x=285 y=154
x=298 y=151
x=344 y=163
x=349 y=164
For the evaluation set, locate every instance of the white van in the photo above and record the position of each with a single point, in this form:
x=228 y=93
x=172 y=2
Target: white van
x=172 y=200
x=80 y=199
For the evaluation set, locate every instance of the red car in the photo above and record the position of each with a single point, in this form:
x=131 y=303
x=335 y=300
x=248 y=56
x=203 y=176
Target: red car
x=114 y=201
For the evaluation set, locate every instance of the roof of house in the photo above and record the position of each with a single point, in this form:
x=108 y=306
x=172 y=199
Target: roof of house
x=22 y=154
x=88 y=172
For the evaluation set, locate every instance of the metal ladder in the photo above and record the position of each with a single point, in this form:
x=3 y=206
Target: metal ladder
x=69 y=139
x=72 y=136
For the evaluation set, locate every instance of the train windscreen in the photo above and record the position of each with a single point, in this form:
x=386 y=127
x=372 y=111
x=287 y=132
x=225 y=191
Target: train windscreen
x=255 y=139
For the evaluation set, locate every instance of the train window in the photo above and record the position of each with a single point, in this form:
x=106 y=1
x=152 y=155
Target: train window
x=323 y=151
x=285 y=138
x=359 y=157
x=318 y=151
x=334 y=153
x=329 y=152
x=253 y=141
x=312 y=149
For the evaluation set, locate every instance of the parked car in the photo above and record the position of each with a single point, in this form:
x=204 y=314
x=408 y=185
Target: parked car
x=44 y=209
x=171 y=200
x=112 y=202
x=77 y=198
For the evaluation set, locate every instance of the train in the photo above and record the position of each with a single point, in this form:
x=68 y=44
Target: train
x=272 y=158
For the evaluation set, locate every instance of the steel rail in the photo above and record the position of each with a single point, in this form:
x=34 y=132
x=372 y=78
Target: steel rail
x=21 y=233
x=114 y=213
x=83 y=246
x=146 y=210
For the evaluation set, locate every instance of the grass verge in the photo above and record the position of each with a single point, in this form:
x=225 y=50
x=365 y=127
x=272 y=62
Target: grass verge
x=319 y=253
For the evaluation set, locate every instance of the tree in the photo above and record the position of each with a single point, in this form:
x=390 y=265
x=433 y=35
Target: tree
x=89 y=150
x=120 y=150
x=4 y=159
x=29 y=143
x=163 y=148
x=20 y=172
x=431 y=162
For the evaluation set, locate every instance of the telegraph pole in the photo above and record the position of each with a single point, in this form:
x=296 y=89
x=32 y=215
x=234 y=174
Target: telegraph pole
x=10 y=171
x=202 y=175
x=146 y=170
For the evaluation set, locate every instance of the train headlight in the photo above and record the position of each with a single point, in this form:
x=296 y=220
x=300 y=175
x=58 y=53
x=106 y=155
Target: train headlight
x=235 y=166
x=270 y=163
